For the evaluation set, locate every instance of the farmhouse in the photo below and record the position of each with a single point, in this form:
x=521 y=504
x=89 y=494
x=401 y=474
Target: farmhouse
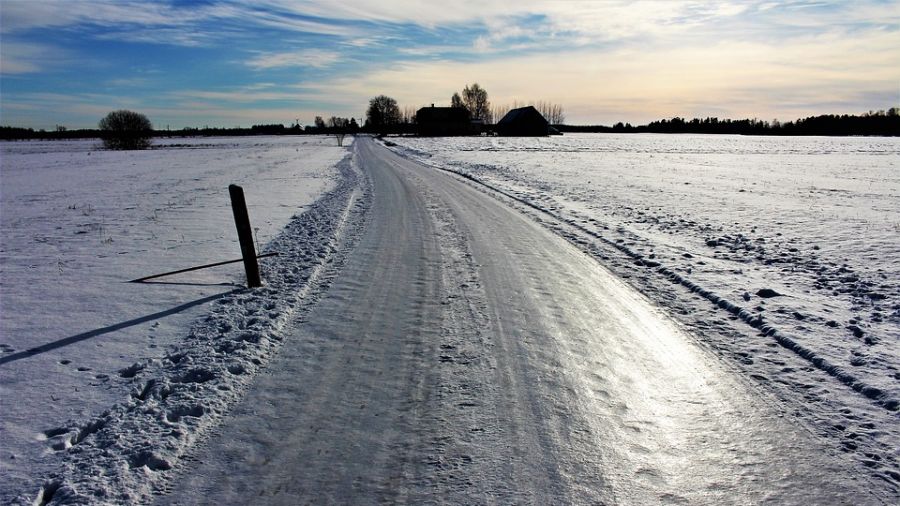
x=523 y=122
x=443 y=121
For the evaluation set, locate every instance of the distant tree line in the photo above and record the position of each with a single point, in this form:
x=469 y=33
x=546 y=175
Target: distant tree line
x=16 y=133
x=388 y=117
x=880 y=123
x=335 y=124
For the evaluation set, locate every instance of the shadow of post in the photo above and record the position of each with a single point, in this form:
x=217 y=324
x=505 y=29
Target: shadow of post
x=37 y=350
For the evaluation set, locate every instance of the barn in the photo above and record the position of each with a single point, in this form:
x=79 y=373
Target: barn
x=523 y=122
x=443 y=121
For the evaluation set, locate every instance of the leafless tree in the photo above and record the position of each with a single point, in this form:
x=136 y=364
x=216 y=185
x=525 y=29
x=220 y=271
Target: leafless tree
x=382 y=113
x=475 y=99
x=339 y=127
x=408 y=116
x=125 y=129
x=456 y=100
x=498 y=111
x=553 y=113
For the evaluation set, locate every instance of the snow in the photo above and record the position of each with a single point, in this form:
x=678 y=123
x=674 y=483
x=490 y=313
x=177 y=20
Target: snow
x=752 y=242
x=80 y=345
x=779 y=255
x=466 y=354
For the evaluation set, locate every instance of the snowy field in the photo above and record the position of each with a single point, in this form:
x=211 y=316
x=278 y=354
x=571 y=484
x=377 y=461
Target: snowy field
x=762 y=245
x=79 y=222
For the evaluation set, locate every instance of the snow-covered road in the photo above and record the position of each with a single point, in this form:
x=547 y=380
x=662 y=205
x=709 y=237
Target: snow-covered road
x=467 y=354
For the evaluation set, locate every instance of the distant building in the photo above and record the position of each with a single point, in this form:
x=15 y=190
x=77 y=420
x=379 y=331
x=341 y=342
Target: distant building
x=523 y=122
x=444 y=121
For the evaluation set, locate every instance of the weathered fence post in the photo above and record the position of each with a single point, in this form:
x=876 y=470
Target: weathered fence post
x=245 y=235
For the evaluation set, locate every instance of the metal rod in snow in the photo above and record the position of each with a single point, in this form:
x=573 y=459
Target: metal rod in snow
x=197 y=268
x=245 y=235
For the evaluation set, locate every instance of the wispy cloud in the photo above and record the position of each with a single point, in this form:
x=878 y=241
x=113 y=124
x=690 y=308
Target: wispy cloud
x=605 y=60
x=127 y=82
x=20 y=15
x=292 y=20
x=238 y=96
x=28 y=57
x=317 y=58
x=177 y=36
x=160 y=22
x=358 y=23
x=364 y=41
x=743 y=78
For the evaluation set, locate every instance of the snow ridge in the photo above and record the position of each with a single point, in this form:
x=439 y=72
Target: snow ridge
x=758 y=322
x=123 y=455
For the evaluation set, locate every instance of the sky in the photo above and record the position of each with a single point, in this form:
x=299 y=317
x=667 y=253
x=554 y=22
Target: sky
x=223 y=63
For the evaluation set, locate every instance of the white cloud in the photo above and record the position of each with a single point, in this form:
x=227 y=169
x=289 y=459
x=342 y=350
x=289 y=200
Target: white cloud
x=363 y=41
x=238 y=96
x=127 y=82
x=317 y=58
x=11 y=65
x=603 y=20
x=27 y=58
x=291 y=20
x=610 y=60
x=21 y=15
x=358 y=22
x=744 y=79
x=180 y=36
x=155 y=22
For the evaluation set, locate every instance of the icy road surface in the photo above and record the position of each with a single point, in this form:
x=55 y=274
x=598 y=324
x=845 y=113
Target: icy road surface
x=466 y=354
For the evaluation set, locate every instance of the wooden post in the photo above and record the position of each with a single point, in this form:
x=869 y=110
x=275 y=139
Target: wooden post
x=245 y=235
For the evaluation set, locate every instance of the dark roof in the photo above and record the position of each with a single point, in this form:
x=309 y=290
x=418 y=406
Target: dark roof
x=528 y=113
x=442 y=114
x=444 y=121
x=524 y=121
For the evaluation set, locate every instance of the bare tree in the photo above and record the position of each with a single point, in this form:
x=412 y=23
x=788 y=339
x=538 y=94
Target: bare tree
x=498 y=111
x=125 y=129
x=383 y=113
x=456 y=100
x=339 y=127
x=553 y=113
x=408 y=117
x=475 y=99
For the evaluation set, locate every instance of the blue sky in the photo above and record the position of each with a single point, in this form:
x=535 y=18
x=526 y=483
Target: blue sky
x=221 y=63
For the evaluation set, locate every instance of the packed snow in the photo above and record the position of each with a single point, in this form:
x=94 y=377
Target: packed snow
x=82 y=349
x=465 y=354
x=778 y=254
x=756 y=243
